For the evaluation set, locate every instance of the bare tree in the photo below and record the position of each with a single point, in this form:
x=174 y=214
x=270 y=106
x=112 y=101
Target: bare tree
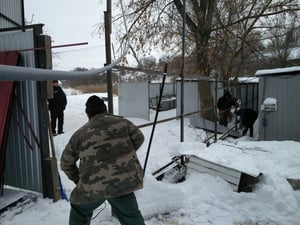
x=246 y=32
x=282 y=41
x=220 y=36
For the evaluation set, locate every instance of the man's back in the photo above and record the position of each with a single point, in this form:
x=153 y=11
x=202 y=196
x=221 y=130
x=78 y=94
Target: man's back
x=106 y=147
x=108 y=167
x=112 y=136
x=248 y=116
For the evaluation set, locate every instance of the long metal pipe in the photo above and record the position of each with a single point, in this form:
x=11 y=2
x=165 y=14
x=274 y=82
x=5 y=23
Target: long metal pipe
x=17 y=73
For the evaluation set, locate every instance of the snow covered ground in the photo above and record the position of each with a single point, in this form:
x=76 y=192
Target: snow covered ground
x=201 y=198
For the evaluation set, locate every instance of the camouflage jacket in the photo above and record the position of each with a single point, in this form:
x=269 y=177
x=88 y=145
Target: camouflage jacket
x=108 y=165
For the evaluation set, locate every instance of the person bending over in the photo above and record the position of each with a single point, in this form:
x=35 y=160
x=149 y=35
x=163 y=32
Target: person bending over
x=248 y=118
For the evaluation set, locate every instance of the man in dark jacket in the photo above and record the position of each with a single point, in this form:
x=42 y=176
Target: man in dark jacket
x=248 y=118
x=224 y=106
x=57 y=105
x=109 y=168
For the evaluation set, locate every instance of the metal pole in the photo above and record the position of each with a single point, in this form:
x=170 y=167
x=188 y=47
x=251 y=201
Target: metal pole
x=107 y=20
x=182 y=76
x=23 y=15
x=156 y=116
x=215 y=108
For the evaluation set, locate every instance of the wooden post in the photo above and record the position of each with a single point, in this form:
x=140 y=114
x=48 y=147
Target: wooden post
x=49 y=164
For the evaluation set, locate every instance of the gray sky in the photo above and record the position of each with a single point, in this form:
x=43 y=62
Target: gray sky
x=69 y=22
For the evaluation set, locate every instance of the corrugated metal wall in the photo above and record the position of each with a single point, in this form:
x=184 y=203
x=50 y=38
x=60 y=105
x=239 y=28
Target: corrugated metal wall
x=11 y=9
x=248 y=93
x=23 y=164
x=18 y=41
x=282 y=124
x=23 y=159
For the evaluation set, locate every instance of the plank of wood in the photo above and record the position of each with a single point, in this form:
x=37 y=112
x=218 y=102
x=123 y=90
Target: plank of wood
x=52 y=171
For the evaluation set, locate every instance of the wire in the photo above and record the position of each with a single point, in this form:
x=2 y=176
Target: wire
x=94 y=217
x=90 y=48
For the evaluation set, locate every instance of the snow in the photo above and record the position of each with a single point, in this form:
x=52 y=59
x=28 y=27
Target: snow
x=248 y=79
x=286 y=70
x=201 y=198
x=270 y=101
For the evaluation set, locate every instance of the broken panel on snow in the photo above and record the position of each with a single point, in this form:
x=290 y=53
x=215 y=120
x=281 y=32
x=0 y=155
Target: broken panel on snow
x=238 y=180
x=176 y=171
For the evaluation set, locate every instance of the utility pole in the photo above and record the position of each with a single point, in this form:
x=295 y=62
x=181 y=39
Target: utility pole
x=107 y=20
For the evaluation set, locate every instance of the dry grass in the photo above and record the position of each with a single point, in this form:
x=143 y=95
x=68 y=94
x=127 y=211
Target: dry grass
x=96 y=88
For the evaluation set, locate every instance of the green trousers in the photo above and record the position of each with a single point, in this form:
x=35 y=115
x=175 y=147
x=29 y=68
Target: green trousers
x=124 y=207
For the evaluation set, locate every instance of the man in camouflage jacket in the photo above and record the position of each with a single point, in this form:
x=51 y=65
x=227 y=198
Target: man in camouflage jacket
x=108 y=166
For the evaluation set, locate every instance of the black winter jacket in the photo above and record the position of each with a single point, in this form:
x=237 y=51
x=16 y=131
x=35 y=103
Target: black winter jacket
x=59 y=100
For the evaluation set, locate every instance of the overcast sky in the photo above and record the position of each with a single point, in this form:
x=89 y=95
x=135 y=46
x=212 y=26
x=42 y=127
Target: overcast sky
x=69 y=22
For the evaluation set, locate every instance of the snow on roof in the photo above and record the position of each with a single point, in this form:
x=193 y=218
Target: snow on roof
x=248 y=79
x=278 y=71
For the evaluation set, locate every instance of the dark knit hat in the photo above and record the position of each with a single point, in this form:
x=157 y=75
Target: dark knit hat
x=95 y=105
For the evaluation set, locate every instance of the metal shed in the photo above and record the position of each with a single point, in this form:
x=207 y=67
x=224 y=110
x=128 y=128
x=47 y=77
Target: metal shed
x=25 y=69
x=24 y=144
x=279 y=104
x=25 y=141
